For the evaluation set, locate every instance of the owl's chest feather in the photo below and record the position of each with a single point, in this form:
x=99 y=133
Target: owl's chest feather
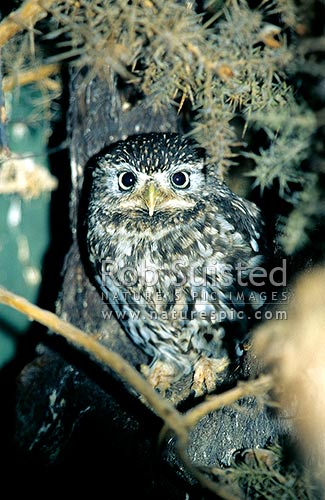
x=174 y=273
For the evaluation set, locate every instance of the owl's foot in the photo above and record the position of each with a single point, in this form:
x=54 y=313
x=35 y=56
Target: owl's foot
x=206 y=372
x=160 y=375
x=254 y=456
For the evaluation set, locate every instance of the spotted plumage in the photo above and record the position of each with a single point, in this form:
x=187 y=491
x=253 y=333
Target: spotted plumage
x=165 y=241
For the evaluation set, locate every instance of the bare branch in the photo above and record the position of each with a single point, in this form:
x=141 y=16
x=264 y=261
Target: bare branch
x=30 y=76
x=23 y=18
x=251 y=388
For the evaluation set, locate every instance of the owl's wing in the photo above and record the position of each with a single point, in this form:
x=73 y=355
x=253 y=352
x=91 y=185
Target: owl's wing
x=244 y=245
x=245 y=216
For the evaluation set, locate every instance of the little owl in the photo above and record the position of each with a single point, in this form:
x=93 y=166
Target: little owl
x=172 y=248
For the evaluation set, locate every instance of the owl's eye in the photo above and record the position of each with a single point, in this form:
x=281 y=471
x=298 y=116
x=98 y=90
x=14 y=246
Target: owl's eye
x=180 y=180
x=126 y=180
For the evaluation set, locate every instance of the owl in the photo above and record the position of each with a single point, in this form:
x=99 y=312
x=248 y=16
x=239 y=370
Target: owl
x=171 y=249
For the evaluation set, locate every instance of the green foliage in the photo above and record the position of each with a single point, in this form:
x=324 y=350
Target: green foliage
x=289 y=127
x=228 y=61
x=293 y=234
x=171 y=53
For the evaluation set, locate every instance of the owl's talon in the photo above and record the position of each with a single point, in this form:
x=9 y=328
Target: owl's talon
x=206 y=372
x=160 y=375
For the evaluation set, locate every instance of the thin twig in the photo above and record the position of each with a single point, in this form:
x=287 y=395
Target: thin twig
x=23 y=18
x=250 y=388
x=30 y=76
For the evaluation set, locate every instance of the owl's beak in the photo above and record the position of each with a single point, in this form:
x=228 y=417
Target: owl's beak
x=151 y=196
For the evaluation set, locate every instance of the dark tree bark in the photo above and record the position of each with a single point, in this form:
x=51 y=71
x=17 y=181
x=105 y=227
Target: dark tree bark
x=74 y=416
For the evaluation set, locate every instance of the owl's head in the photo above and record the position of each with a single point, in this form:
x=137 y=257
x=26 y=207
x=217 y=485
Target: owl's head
x=149 y=174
